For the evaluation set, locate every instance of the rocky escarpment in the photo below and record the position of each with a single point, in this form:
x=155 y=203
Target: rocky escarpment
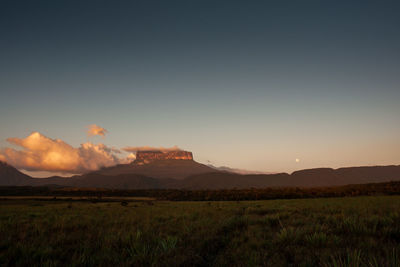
x=171 y=164
x=144 y=157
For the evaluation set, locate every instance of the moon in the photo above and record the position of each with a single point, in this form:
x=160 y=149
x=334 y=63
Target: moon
x=297 y=160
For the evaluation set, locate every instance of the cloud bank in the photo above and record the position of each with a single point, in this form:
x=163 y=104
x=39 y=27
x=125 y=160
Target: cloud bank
x=134 y=149
x=96 y=130
x=40 y=153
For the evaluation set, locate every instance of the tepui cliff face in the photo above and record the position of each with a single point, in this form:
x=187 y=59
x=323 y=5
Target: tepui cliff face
x=144 y=157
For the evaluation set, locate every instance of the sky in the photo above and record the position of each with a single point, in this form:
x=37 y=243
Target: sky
x=272 y=86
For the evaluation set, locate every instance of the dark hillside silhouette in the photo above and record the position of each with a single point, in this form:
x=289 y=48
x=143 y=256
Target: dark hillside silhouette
x=188 y=174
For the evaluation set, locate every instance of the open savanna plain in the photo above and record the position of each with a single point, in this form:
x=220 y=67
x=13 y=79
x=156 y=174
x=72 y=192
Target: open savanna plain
x=349 y=231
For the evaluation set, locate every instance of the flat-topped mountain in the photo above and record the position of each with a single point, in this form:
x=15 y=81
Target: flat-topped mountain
x=144 y=157
x=160 y=164
x=160 y=169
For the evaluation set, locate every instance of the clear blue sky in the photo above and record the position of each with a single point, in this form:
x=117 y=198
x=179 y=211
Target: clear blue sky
x=248 y=84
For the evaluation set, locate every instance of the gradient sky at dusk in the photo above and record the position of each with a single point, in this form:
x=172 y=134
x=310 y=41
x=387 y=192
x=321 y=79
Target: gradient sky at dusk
x=247 y=84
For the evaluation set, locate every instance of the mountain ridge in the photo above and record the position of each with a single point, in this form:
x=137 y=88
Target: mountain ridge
x=164 y=168
x=203 y=178
x=11 y=176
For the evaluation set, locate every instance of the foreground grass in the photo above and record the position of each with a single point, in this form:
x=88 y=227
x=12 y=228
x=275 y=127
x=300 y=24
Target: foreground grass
x=362 y=231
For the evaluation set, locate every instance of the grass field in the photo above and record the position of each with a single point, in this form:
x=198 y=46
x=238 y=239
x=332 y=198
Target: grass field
x=359 y=231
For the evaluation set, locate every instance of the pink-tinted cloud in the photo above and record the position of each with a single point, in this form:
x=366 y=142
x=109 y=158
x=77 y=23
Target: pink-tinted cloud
x=94 y=130
x=134 y=149
x=40 y=153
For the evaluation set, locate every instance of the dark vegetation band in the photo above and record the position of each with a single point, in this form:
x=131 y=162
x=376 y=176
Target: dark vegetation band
x=373 y=189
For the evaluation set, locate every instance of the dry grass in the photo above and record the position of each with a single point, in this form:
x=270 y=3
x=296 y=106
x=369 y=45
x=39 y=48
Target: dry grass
x=362 y=231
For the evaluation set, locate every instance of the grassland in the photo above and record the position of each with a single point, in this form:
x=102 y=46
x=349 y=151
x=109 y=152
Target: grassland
x=353 y=231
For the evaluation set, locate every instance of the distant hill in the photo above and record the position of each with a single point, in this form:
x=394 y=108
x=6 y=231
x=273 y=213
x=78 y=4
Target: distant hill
x=343 y=176
x=95 y=180
x=11 y=176
x=238 y=171
x=303 y=178
x=224 y=180
x=121 y=181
